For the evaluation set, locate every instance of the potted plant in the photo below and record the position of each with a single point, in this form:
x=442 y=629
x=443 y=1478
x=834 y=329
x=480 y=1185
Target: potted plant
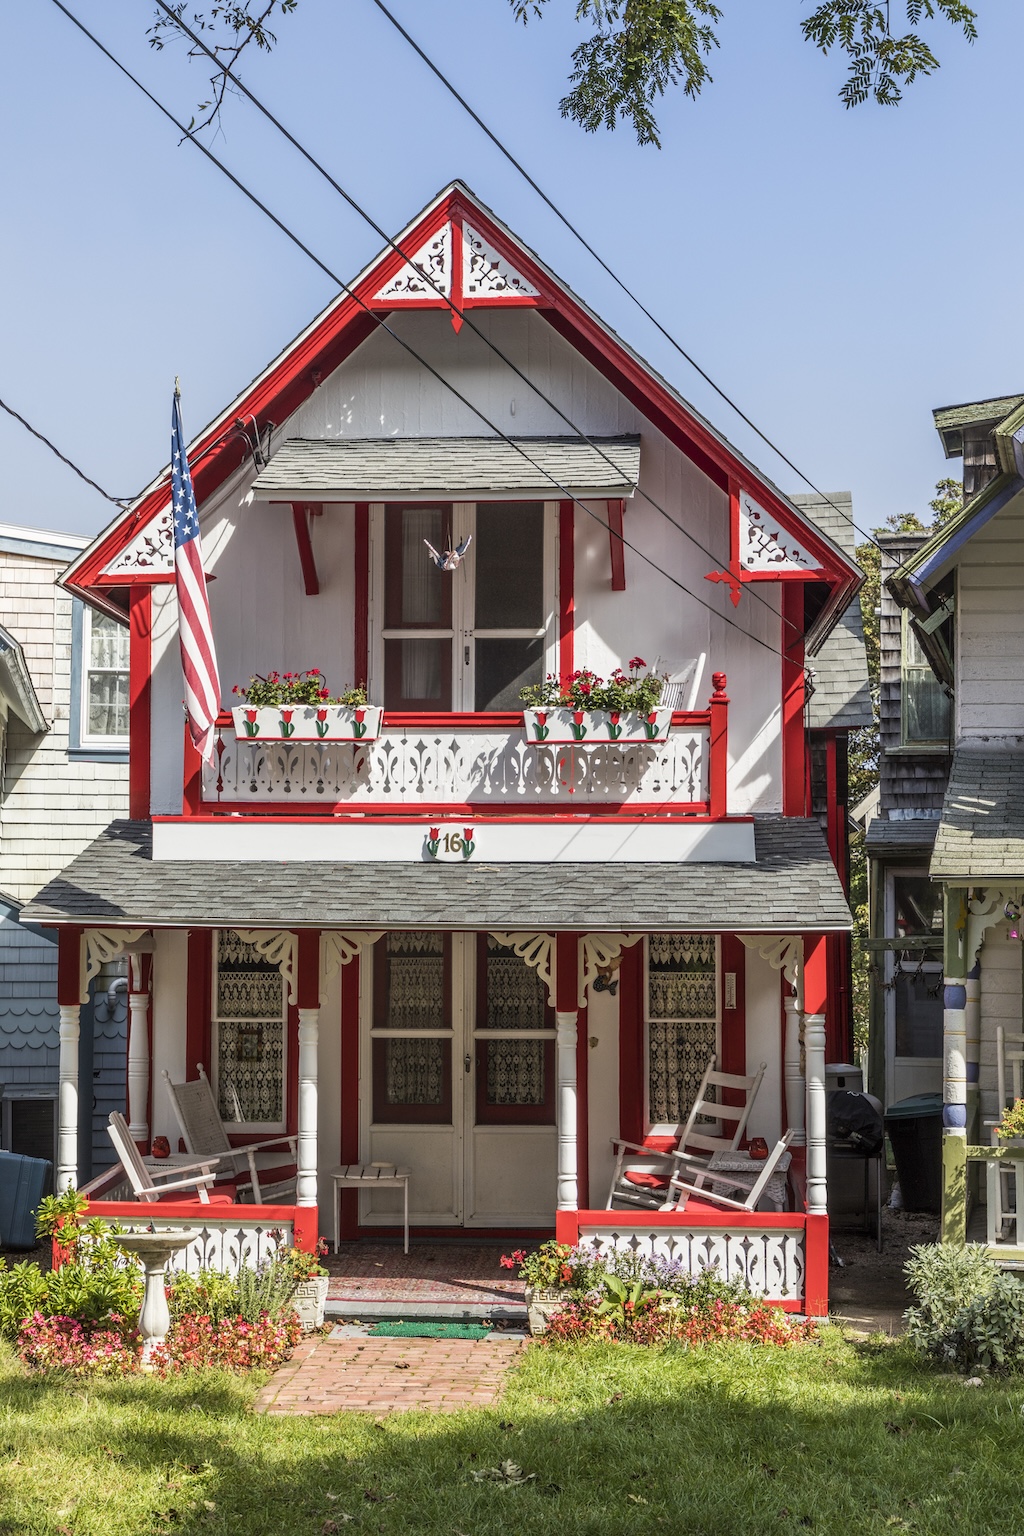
x=309 y=1297
x=1011 y=1126
x=549 y=1273
x=589 y=709
x=298 y=706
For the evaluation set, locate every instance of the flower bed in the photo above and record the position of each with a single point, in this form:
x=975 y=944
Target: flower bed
x=195 y=1342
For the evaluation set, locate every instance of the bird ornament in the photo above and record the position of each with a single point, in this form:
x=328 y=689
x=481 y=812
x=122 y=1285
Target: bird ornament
x=451 y=558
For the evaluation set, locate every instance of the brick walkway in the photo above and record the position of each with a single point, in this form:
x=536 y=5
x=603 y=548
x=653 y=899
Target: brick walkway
x=388 y=1375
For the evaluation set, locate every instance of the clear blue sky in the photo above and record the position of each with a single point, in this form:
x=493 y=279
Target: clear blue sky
x=838 y=273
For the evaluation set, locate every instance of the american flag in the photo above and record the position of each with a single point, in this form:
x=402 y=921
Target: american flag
x=195 y=633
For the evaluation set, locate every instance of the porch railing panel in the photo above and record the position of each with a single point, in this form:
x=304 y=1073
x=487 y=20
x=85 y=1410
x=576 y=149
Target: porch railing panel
x=224 y=1238
x=434 y=767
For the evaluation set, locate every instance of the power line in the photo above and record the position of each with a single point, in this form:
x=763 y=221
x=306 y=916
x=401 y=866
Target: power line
x=465 y=317
x=524 y=173
x=118 y=501
x=405 y=345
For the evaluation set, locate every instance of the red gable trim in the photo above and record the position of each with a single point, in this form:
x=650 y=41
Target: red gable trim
x=346 y=325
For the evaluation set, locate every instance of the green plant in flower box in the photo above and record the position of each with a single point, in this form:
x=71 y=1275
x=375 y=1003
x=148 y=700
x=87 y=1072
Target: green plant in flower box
x=622 y=692
x=291 y=688
x=1011 y=1126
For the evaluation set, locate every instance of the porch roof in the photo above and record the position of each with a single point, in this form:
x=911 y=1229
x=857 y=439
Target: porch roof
x=792 y=885
x=474 y=468
x=981 y=829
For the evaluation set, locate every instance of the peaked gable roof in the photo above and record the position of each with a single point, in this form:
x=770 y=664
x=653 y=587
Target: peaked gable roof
x=455 y=255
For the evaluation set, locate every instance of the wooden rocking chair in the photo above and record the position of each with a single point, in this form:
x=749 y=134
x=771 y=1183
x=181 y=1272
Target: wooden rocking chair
x=641 y=1175
x=203 y=1132
x=196 y=1177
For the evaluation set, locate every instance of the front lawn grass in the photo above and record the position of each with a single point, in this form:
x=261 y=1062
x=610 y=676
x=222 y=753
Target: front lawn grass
x=832 y=1437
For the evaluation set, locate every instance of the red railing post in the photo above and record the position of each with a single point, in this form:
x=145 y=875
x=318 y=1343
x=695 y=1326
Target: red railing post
x=192 y=778
x=718 y=749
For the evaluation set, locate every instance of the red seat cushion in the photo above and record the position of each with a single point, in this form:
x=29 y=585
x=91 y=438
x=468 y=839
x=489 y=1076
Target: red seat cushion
x=225 y=1195
x=646 y=1180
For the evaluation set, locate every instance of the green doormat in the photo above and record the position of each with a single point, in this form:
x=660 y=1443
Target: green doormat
x=428 y=1330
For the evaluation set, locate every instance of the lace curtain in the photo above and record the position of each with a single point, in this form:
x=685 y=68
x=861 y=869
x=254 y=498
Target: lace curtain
x=414 y=1073
x=249 y=1014
x=514 y=1072
x=415 y=982
x=682 y=1020
x=516 y=996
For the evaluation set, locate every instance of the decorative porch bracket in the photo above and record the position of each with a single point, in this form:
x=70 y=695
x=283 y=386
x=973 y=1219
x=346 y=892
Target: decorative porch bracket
x=101 y=945
x=338 y=947
x=538 y=952
x=601 y=952
x=280 y=948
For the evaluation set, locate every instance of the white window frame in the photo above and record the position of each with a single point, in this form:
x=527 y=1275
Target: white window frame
x=661 y=1128
x=911 y=669
x=259 y=1127
x=89 y=738
x=463 y=632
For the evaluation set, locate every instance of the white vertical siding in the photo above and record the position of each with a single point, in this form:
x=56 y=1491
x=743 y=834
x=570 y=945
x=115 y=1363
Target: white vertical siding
x=989 y=652
x=1000 y=1004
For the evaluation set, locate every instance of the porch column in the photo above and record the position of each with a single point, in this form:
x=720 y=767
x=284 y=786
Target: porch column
x=69 y=1001
x=308 y=996
x=815 y=992
x=138 y=1052
x=795 y=1085
x=566 y=1025
x=972 y=1022
x=957 y=961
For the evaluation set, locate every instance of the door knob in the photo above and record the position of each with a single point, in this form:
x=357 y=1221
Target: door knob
x=469 y=1061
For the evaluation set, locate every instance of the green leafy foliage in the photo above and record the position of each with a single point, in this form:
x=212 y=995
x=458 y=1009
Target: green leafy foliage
x=584 y=689
x=970 y=1314
x=1011 y=1125
x=96 y=1282
x=880 y=63
x=291 y=688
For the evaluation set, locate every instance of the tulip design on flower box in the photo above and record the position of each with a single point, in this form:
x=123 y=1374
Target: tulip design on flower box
x=298 y=705
x=590 y=709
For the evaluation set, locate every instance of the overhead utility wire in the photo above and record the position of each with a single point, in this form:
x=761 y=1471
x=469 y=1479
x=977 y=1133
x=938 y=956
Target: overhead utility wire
x=406 y=346
x=455 y=309
x=118 y=501
x=524 y=173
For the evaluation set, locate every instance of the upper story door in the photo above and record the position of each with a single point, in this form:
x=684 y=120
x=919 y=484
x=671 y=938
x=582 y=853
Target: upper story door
x=471 y=638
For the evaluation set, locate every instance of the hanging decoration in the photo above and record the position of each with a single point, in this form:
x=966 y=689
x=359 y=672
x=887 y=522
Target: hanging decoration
x=451 y=559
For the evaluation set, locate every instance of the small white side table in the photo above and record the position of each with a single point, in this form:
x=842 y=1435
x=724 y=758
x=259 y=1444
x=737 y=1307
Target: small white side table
x=381 y=1175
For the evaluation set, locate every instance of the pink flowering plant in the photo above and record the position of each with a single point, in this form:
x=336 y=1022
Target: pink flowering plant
x=636 y=689
x=286 y=689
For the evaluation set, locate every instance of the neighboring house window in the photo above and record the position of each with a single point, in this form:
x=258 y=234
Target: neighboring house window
x=926 y=705
x=249 y=1012
x=99 y=682
x=914 y=974
x=682 y=1013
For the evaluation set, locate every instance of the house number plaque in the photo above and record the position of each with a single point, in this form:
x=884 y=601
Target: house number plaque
x=450 y=843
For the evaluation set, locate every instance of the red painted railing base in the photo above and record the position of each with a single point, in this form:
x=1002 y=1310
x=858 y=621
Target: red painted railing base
x=304 y=1220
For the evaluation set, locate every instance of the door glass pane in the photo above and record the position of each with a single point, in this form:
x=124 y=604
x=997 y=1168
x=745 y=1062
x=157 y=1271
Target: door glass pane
x=514 y=1072
x=513 y=996
x=412 y=1080
x=918 y=904
x=416 y=592
x=505 y=666
x=509 y=565
x=682 y=1014
x=411 y=990
x=918 y=996
x=249 y=1010
x=417 y=674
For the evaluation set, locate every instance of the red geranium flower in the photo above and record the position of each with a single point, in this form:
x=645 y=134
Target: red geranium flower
x=636 y=663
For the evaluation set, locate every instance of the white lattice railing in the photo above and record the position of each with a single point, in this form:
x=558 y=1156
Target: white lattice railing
x=223 y=1243
x=437 y=767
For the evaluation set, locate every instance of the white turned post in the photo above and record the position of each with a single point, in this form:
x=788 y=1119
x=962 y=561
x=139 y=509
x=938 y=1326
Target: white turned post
x=565 y=1072
x=309 y=1022
x=67 y=1098
x=138 y=1065
x=796 y=1089
x=814 y=1057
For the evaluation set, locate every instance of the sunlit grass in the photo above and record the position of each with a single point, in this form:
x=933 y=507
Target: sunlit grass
x=832 y=1437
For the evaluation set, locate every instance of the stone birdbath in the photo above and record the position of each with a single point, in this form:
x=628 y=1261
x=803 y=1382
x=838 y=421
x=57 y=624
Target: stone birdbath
x=154 y=1249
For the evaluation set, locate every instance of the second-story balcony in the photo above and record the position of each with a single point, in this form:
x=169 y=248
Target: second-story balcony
x=446 y=761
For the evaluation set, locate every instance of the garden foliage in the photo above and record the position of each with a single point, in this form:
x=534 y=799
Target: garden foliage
x=970 y=1314
x=635 y=689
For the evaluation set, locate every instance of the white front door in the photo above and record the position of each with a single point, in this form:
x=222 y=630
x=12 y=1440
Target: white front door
x=467 y=639
x=457 y=1082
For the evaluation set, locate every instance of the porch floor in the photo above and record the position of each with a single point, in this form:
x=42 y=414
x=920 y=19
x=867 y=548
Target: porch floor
x=452 y=1280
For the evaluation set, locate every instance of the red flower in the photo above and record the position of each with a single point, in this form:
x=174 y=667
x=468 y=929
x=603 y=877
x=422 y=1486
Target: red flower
x=584 y=687
x=236 y=689
x=325 y=693
x=467 y=833
x=613 y=716
x=577 y=717
x=435 y=834
x=321 y=714
x=652 y=718
x=360 y=715
x=250 y=715
x=542 y=718
x=286 y=714
x=313 y=672
x=636 y=663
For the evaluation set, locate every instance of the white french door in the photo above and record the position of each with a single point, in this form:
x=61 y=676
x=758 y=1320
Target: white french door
x=457 y=1082
x=468 y=639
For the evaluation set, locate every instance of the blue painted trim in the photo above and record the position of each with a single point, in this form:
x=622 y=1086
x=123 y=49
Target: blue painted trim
x=954 y=997
x=954 y=1117
x=924 y=575
x=79 y=751
x=973 y=1071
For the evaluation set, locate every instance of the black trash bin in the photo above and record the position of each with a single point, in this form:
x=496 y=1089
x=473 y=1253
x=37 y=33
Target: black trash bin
x=914 y=1128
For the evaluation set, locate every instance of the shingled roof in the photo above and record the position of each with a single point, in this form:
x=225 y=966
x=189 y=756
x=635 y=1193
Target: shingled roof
x=981 y=829
x=842 y=697
x=791 y=886
x=374 y=469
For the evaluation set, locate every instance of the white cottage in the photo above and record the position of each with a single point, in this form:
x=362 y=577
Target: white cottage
x=464 y=940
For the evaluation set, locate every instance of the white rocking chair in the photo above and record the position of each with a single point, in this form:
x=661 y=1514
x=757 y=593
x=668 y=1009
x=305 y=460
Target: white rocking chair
x=203 y=1132
x=196 y=1177
x=641 y=1175
x=680 y=1191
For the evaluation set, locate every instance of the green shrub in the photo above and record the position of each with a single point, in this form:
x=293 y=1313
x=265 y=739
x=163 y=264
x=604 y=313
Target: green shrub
x=970 y=1314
